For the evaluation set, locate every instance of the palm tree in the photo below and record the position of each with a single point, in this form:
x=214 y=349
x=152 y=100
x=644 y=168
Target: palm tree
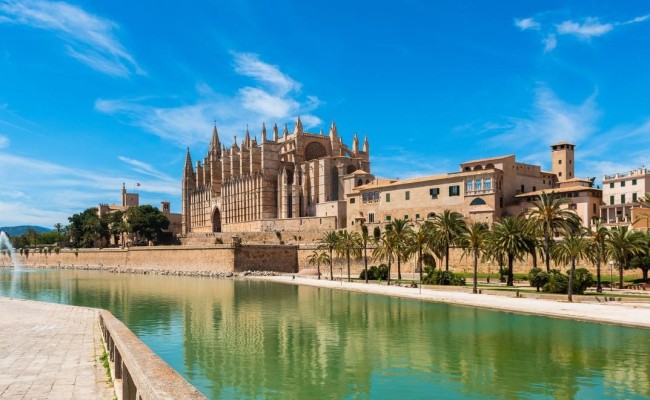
x=385 y=250
x=349 y=245
x=598 y=250
x=473 y=241
x=364 y=239
x=420 y=242
x=509 y=236
x=622 y=245
x=572 y=248
x=448 y=227
x=317 y=257
x=330 y=242
x=400 y=229
x=549 y=215
x=58 y=227
x=644 y=201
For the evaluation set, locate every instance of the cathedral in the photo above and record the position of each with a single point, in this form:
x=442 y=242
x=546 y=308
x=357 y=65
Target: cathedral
x=292 y=182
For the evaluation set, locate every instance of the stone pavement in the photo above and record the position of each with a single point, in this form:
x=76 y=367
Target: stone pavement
x=50 y=351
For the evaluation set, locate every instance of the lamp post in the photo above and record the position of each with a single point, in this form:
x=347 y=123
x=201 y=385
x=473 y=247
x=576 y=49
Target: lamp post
x=611 y=275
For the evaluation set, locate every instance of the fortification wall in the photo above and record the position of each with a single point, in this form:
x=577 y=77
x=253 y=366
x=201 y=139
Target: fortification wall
x=305 y=224
x=214 y=258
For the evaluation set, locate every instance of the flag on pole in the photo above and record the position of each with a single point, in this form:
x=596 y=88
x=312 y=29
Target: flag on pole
x=138 y=184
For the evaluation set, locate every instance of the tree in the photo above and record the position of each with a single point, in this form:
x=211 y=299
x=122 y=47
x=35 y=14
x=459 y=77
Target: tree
x=364 y=239
x=58 y=227
x=598 y=251
x=400 y=229
x=509 y=236
x=385 y=251
x=642 y=260
x=86 y=229
x=550 y=216
x=147 y=222
x=573 y=247
x=473 y=240
x=115 y=222
x=349 y=245
x=420 y=242
x=319 y=257
x=623 y=244
x=330 y=241
x=644 y=201
x=448 y=226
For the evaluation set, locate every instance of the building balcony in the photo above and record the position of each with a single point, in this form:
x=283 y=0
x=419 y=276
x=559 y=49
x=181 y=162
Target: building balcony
x=480 y=192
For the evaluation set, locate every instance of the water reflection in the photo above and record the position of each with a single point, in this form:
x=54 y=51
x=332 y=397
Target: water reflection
x=246 y=339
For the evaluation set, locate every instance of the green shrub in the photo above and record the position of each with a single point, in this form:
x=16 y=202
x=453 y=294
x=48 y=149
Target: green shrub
x=557 y=283
x=537 y=278
x=375 y=273
x=582 y=279
x=434 y=277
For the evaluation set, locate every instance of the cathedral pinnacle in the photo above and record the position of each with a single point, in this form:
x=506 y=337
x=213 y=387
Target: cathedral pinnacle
x=366 y=145
x=333 y=132
x=263 y=132
x=275 y=132
x=297 y=129
x=285 y=133
x=247 y=139
x=188 y=162
x=214 y=143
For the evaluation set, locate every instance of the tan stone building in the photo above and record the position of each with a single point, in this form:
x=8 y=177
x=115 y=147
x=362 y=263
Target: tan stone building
x=483 y=190
x=620 y=194
x=292 y=182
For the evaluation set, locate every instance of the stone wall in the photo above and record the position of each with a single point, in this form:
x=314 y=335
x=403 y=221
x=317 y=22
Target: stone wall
x=215 y=258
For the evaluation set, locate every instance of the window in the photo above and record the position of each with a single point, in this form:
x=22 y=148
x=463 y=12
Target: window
x=611 y=185
x=352 y=223
x=633 y=182
x=468 y=186
x=488 y=184
x=622 y=183
x=559 y=174
x=573 y=206
x=594 y=208
x=364 y=197
x=611 y=200
x=352 y=200
x=417 y=216
x=406 y=217
x=559 y=161
x=634 y=197
x=388 y=218
x=534 y=188
x=407 y=195
x=387 y=197
x=477 y=202
x=434 y=192
x=523 y=189
x=622 y=199
x=454 y=190
x=500 y=202
x=371 y=217
x=375 y=196
x=478 y=184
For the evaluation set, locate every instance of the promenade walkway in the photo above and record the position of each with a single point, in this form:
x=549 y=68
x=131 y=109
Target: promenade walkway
x=50 y=351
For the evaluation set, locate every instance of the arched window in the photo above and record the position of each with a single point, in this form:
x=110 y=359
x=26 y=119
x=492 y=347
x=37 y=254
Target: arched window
x=477 y=184
x=359 y=182
x=477 y=202
x=431 y=215
x=468 y=185
x=488 y=184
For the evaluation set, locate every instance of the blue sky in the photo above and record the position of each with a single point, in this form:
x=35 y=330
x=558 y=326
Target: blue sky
x=93 y=94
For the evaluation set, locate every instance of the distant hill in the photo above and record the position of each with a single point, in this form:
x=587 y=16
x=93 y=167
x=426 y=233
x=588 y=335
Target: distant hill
x=19 y=230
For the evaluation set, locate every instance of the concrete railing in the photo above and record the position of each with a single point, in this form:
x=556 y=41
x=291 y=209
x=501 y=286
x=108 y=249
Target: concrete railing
x=138 y=373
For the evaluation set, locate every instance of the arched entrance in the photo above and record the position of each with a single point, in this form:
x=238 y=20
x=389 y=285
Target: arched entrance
x=216 y=220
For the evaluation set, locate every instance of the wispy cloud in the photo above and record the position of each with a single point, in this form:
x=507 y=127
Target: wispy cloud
x=4 y=141
x=63 y=190
x=89 y=38
x=583 y=29
x=399 y=162
x=527 y=23
x=272 y=96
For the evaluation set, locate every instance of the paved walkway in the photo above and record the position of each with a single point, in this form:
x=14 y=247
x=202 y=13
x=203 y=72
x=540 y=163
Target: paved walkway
x=619 y=313
x=50 y=351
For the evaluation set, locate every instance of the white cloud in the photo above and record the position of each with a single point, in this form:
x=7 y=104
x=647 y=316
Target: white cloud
x=4 y=141
x=527 y=23
x=90 y=39
x=583 y=29
x=591 y=27
x=271 y=97
x=62 y=190
x=551 y=120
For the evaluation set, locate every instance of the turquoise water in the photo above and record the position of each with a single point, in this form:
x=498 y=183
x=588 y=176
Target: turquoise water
x=247 y=340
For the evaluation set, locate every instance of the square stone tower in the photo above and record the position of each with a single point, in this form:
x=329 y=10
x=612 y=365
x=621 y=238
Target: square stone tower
x=562 y=156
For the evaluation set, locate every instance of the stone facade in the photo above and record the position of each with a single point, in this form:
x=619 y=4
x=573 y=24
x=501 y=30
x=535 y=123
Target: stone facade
x=620 y=194
x=483 y=190
x=275 y=184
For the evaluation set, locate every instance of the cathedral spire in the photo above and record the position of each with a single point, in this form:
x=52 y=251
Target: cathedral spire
x=333 y=131
x=366 y=145
x=355 y=143
x=263 y=133
x=247 y=139
x=285 y=133
x=215 y=146
x=297 y=129
x=188 y=162
x=321 y=132
x=275 y=132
